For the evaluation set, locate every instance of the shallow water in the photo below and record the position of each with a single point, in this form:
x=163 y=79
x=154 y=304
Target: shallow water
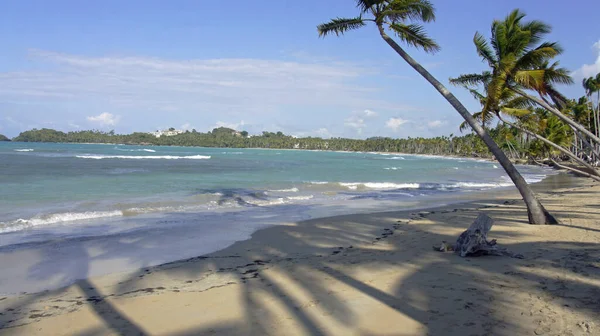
x=70 y=211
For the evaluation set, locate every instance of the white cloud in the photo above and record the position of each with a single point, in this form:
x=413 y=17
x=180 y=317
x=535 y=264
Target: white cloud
x=435 y=123
x=588 y=70
x=186 y=126
x=358 y=120
x=370 y=114
x=355 y=122
x=323 y=132
x=395 y=123
x=105 y=119
x=234 y=126
x=224 y=85
x=73 y=125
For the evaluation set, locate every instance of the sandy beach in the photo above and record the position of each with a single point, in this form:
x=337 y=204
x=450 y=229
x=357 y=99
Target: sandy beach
x=373 y=274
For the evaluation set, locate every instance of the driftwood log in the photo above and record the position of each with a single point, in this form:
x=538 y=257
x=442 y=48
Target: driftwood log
x=473 y=242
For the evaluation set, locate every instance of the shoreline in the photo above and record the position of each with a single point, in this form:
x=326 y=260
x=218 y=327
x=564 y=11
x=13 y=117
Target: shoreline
x=108 y=263
x=471 y=157
x=248 y=263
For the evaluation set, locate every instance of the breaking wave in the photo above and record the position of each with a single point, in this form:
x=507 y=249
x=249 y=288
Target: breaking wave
x=286 y=190
x=143 y=157
x=22 y=224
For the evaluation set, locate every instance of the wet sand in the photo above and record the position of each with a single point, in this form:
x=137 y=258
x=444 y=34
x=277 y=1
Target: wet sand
x=367 y=274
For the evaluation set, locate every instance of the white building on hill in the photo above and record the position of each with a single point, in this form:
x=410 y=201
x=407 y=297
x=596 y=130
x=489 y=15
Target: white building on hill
x=169 y=132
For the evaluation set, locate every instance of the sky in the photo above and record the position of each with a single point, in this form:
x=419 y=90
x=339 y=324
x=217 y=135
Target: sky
x=250 y=65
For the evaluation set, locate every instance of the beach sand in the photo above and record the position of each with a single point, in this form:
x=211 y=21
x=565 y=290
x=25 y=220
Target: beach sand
x=373 y=274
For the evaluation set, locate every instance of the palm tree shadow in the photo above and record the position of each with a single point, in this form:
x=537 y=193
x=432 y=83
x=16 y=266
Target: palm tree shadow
x=449 y=295
x=299 y=268
x=113 y=319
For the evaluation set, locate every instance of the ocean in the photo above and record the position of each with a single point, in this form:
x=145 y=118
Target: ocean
x=69 y=211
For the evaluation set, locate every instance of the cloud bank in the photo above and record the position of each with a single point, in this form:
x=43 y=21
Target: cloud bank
x=218 y=85
x=105 y=119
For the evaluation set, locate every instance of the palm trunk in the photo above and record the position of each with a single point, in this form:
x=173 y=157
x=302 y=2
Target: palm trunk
x=535 y=210
x=559 y=114
x=594 y=152
x=575 y=143
x=572 y=169
x=553 y=145
x=597 y=115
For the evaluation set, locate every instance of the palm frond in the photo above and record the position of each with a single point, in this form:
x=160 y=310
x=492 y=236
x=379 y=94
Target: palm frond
x=494 y=92
x=477 y=95
x=498 y=38
x=463 y=126
x=557 y=98
x=404 y=10
x=530 y=79
x=414 y=35
x=483 y=49
x=367 y=5
x=554 y=75
x=535 y=57
x=518 y=102
x=339 y=26
x=470 y=80
x=537 y=30
x=514 y=17
x=480 y=117
x=515 y=112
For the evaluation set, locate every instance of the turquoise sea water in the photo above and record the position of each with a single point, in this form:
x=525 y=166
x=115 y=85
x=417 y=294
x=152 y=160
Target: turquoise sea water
x=197 y=200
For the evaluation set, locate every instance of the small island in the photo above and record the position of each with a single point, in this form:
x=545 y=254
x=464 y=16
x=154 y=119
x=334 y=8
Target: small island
x=4 y=138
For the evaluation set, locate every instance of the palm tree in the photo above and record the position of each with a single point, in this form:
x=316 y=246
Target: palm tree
x=519 y=61
x=555 y=135
x=402 y=18
x=520 y=108
x=592 y=85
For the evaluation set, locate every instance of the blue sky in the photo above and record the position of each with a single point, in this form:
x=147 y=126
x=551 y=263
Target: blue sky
x=254 y=65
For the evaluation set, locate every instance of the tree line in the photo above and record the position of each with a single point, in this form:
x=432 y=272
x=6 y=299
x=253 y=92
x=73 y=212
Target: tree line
x=468 y=145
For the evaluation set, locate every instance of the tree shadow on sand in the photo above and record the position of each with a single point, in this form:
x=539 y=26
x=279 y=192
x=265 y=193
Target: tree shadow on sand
x=322 y=278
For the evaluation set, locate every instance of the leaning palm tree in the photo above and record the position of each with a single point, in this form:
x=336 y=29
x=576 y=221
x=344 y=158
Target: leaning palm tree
x=403 y=18
x=519 y=61
x=511 y=106
x=553 y=135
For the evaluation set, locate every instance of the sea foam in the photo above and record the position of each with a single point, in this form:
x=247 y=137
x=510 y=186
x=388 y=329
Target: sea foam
x=136 y=150
x=300 y=198
x=427 y=186
x=379 y=185
x=24 y=150
x=21 y=224
x=286 y=190
x=143 y=157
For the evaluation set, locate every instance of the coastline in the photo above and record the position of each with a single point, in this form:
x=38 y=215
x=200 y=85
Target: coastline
x=303 y=267
x=471 y=157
